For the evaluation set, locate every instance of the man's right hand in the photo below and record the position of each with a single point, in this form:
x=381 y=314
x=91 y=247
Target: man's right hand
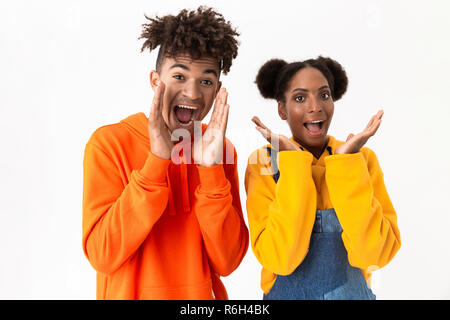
x=160 y=142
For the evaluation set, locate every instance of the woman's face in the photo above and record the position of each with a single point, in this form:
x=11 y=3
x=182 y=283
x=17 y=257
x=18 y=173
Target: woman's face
x=308 y=108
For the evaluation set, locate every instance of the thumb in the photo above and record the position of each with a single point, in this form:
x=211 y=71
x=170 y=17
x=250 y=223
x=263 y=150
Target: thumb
x=351 y=135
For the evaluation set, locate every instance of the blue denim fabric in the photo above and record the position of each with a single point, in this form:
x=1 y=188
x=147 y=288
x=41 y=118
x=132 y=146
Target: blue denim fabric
x=325 y=273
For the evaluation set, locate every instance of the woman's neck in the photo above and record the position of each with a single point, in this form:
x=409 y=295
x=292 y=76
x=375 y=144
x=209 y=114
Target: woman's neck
x=315 y=150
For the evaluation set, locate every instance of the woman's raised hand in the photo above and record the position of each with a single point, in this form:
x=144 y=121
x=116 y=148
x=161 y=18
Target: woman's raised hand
x=284 y=143
x=355 y=142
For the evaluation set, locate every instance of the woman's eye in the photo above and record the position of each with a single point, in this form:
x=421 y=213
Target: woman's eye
x=325 y=95
x=300 y=99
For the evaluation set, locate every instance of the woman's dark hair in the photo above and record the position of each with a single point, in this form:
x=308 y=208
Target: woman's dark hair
x=199 y=33
x=274 y=76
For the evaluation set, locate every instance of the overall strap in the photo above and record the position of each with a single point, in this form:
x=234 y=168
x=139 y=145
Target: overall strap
x=273 y=158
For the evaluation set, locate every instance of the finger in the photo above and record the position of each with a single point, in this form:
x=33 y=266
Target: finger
x=370 y=122
x=221 y=99
x=374 y=118
x=224 y=97
x=258 y=122
x=260 y=125
x=225 y=118
x=380 y=114
x=265 y=133
x=219 y=107
x=373 y=128
x=376 y=121
x=221 y=123
x=351 y=135
x=223 y=107
x=156 y=107
x=376 y=126
x=377 y=116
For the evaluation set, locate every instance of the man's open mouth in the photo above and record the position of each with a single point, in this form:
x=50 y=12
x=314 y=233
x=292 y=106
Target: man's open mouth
x=315 y=127
x=185 y=114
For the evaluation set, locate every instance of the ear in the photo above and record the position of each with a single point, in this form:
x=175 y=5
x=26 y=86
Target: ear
x=219 y=85
x=282 y=110
x=154 y=79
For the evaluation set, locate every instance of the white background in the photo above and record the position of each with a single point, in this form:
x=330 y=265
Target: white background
x=69 y=67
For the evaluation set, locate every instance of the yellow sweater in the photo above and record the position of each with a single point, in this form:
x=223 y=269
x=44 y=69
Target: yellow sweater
x=281 y=215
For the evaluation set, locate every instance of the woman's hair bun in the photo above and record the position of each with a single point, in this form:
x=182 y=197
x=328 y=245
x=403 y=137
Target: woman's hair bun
x=267 y=77
x=340 y=79
x=274 y=76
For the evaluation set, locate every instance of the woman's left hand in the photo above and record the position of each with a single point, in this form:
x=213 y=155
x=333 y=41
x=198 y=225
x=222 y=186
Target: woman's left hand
x=355 y=142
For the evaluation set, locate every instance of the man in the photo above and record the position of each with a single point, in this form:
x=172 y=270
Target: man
x=162 y=217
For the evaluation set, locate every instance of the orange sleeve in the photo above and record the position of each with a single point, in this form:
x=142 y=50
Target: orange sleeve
x=219 y=213
x=116 y=217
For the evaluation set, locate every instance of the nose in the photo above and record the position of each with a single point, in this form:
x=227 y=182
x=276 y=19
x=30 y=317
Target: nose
x=191 y=90
x=315 y=106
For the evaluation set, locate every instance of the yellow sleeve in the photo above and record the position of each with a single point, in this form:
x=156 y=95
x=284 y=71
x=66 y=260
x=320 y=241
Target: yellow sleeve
x=281 y=215
x=368 y=219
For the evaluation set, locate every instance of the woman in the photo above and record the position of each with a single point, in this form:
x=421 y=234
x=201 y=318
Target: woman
x=319 y=214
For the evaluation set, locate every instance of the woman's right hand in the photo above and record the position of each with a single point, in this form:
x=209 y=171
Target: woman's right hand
x=284 y=143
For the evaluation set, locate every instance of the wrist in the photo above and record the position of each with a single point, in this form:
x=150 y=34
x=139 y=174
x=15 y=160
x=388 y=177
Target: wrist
x=160 y=154
x=343 y=150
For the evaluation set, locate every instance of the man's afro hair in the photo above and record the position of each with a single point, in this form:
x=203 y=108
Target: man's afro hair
x=199 y=33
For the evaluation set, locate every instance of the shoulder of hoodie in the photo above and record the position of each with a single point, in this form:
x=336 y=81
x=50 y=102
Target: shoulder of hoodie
x=252 y=159
x=110 y=135
x=255 y=161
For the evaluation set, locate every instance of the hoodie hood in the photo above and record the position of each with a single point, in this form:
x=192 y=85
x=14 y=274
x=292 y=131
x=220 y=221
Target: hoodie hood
x=138 y=124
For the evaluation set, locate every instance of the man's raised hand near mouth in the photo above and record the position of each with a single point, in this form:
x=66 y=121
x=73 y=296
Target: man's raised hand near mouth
x=208 y=149
x=160 y=143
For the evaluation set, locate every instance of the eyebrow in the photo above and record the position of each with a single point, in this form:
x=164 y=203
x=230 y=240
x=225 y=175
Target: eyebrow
x=184 y=67
x=306 y=90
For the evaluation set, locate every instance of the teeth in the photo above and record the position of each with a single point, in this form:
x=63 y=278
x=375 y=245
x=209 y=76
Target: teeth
x=186 y=107
x=317 y=121
x=186 y=124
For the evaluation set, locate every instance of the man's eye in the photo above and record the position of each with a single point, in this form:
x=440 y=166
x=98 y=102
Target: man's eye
x=207 y=82
x=178 y=77
x=300 y=99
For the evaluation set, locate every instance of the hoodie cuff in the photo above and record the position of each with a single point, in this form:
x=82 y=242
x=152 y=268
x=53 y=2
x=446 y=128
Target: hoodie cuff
x=155 y=168
x=212 y=177
x=345 y=166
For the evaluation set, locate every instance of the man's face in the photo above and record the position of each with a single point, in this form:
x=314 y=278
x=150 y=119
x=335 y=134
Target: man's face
x=191 y=87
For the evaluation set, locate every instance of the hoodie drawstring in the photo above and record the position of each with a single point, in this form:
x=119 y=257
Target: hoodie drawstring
x=177 y=180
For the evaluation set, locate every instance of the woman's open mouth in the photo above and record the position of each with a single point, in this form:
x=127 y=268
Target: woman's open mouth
x=185 y=114
x=315 y=128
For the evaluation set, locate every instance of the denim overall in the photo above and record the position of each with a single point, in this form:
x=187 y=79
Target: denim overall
x=325 y=273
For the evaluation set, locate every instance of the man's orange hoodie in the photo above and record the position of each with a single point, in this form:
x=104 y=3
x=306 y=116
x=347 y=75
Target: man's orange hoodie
x=154 y=229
